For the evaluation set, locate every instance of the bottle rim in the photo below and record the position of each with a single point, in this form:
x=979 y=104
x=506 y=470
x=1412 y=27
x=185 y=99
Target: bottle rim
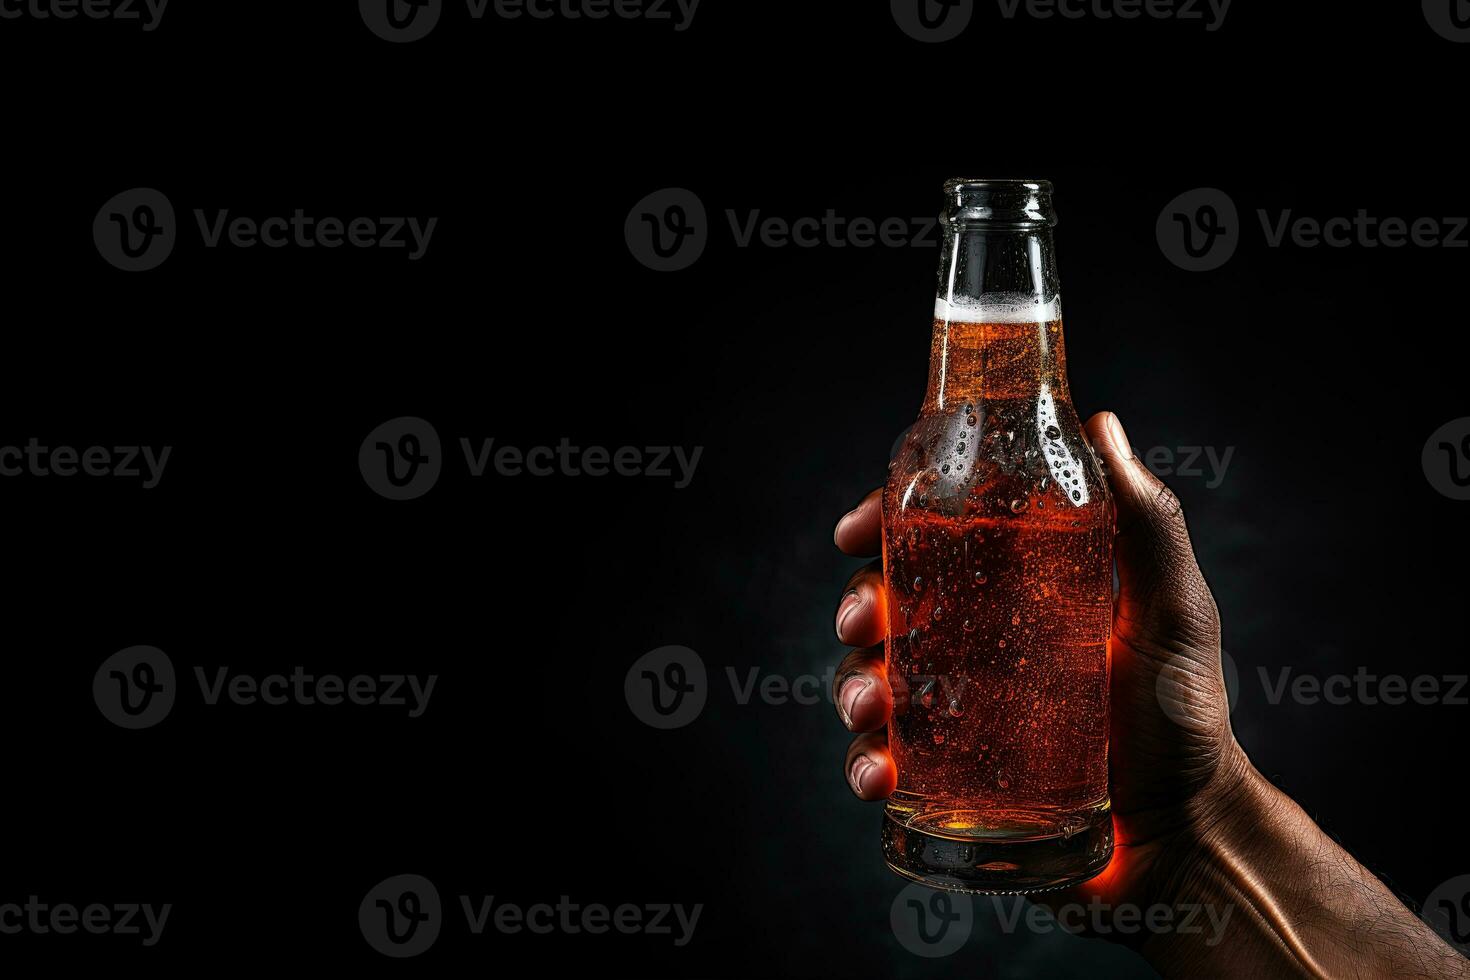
x=999 y=203
x=997 y=183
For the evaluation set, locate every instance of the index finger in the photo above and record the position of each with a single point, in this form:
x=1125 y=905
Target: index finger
x=860 y=531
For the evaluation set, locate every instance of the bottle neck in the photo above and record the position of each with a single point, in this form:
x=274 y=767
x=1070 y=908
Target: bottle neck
x=997 y=318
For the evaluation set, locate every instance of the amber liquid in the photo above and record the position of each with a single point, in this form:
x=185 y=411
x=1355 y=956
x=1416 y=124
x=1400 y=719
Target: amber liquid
x=997 y=551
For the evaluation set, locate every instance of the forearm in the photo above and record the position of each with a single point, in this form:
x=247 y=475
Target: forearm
x=1297 y=903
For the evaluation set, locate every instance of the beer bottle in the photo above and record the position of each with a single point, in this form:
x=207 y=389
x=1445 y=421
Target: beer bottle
x=997 y=558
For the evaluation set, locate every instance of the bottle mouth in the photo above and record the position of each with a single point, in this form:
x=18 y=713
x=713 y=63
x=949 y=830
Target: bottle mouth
x=1002 y=203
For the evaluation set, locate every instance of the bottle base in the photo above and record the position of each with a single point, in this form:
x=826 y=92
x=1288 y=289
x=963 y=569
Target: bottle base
x=990 y=853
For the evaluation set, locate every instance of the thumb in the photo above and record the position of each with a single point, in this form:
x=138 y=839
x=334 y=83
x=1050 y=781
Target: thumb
x=1164 y=604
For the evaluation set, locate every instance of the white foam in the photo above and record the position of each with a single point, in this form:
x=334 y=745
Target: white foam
x=997 y=309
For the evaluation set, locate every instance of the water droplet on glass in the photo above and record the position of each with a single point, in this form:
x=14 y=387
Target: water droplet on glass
x=926 y=694
x=1002 y=780
x=970 y=420
x=1076 y=495
x=1015 y=619
x=1052 y=432
x=944 y=468
x=1002 y=644
x=918 y=583
x=1017 y=506
x=914 y=636
x=955 y=710
x=938 y=738
x=962 y=447
x=981 y=578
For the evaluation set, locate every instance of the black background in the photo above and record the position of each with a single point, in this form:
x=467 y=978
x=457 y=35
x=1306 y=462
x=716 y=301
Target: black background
x=528 y=778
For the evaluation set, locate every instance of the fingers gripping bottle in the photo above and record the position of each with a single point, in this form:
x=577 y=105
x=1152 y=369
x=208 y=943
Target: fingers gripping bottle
x=997 y=558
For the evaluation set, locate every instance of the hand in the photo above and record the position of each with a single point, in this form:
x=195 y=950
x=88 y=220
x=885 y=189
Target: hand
x=1195 y=823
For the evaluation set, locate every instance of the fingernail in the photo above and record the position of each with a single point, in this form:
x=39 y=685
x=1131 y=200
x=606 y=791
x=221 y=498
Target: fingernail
x=861 y=766
x=1119 y=436
x=847 y=697
x=850 y=601
x=837 y=529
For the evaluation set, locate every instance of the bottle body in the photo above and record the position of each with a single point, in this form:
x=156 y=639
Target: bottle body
x=997 y=554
